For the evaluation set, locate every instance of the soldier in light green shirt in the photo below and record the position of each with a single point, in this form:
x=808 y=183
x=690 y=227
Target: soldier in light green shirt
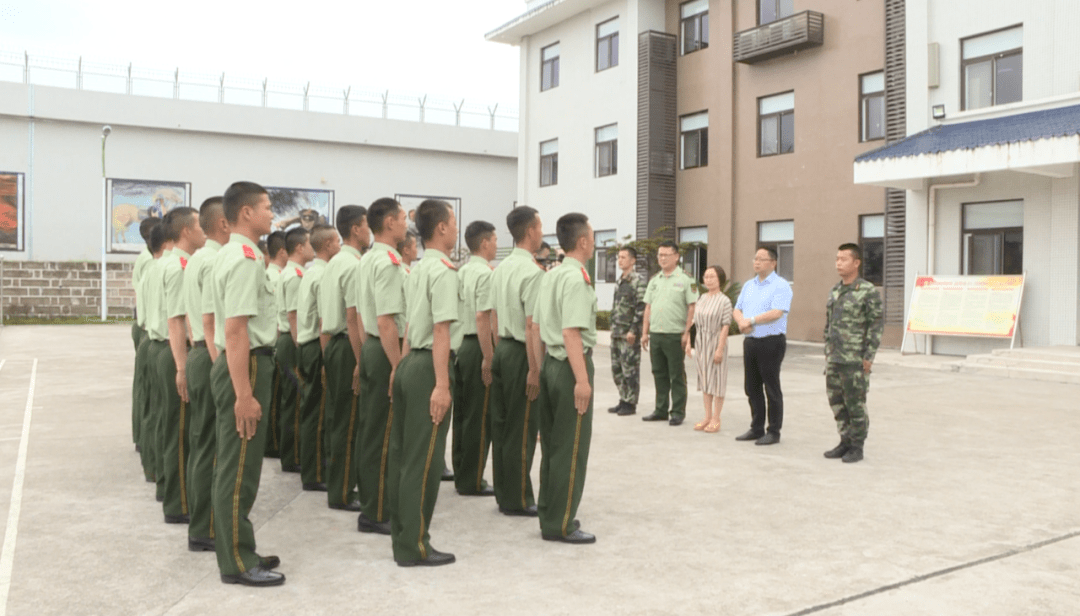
x=241 y=379
x=515 y=373
x=287 y=398
x=566 y=312
x=669 y=313
x=423 y=383
x=144 y=383
x=138 y=334
x=157 y=332
x=275 y=248
x=310 y=344
x=380 y=306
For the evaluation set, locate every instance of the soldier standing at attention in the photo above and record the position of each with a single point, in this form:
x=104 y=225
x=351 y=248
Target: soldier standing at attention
x=471 y=419
x=157 y=330
x=201 y=411
x=275 y=247
x=566 y=312
x=310 y=345
x=380 y=305
x=337 y=305
x=287 y=398
x=241 y=379
x=515 y=373
x=627 y=317
x=669 y=313
x=138 y=332
x=423 y=383
x=142 y=383
x=853 y=329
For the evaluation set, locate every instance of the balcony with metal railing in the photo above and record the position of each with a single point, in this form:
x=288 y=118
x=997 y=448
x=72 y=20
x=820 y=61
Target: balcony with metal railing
x=782 y=37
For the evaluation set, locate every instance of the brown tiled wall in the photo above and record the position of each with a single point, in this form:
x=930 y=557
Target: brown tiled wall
x=67 y=288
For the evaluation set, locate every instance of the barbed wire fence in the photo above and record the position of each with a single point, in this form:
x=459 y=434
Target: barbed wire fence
x=81 y=74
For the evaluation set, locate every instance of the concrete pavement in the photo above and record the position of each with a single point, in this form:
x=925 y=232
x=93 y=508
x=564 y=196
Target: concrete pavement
x=968 y=502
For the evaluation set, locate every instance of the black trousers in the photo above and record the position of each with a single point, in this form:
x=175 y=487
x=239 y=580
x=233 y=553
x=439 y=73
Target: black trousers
x=761 y=364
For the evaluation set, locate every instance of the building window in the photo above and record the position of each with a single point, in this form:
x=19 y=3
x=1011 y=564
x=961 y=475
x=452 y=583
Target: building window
x=696 y=258
x=993 y=238
x=607 y=150
x=549 y=162
x=780 y=236
x=695 y=140
x=776 y=122
x=695 y=25
x=607 y=44
x=872 y=106
x=549 y=67
x=872 y=244
x=605 y=266
x=771 y=10
x=993 y=68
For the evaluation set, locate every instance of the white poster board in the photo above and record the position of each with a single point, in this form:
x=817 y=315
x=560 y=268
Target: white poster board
x=982 y=306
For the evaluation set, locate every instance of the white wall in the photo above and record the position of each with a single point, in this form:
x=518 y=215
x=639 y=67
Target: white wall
x=212 y=145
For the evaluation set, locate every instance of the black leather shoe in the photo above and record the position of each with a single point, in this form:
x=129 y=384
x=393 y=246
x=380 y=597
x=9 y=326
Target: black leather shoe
x=837 y=452
x=434 y=559
x=138 y=449
x=290 y=468
x=770 y=438
x=353 y=506
x=854 y=454
x=447 y=475
x=177 y=519
x=365 y=524
x=528 y=512
x=485 y=491
x=200 y=544
x=655 y=416
x=628 y=409
x=269 y=562
x=255 y=576
x=749 y=435
x=314 y=487
x=675 y=421
x=618 y=407
x=578 y=536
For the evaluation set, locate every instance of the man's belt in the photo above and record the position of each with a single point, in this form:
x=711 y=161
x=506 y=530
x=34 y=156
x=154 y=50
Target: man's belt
x=264 y=351
x=339 y=335
x=200 y=344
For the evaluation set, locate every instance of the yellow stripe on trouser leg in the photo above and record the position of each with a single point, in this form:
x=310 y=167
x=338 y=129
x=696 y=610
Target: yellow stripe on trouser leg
x=423 y=490
x=483 y=441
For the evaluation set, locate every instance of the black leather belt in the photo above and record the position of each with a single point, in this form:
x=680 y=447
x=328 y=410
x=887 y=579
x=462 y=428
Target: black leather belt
x=339 y=335
x=470 y=335
x=264 y=351
x=200 y=344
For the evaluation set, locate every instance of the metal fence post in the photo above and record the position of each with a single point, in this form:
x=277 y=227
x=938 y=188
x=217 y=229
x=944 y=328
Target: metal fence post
x=265 y=80
x=1 y=291
x=78 y=76
x=26 y=68
x=129 y=87
x=385 y=96
x=457 y=113
x=345 y=110
x=221 y=89
x=306 y=89
x=491 y=110
x=176 y=84
x=422 y=101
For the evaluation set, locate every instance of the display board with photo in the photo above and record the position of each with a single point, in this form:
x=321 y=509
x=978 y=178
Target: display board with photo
x=410 y=202
x=11 y=211
x=132 y=201
x=300 y=207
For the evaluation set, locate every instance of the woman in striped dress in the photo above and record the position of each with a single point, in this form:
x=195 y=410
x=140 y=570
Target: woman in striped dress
x=712 y=316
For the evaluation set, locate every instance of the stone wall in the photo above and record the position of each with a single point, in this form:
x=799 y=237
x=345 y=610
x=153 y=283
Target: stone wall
x=50 y=289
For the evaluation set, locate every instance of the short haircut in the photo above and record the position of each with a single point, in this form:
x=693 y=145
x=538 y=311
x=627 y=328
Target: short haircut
x=157 y=238
x=146 y=226
x=379 y=210
x=177 y=220
x=721 y=275
x=477 y=232
x=409 y=237
x=544 y=246
x=263 y=248
x=853 y=249
x=668 y=244
x=209 y=212
x=771 y=251
x=429 y=215
x=348 y=216
x=519 y=220
x=239 y=195
x=275 y=243
x=295 y=238
x=630 y=250
x=321 y=235
x=570 y=228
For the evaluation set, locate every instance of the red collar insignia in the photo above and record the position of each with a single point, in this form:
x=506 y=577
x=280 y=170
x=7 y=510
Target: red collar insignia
x=449 y=264
x=183 y=263
x=299 y=272
x=393 y=258
x=586 y=275
x=249 y=252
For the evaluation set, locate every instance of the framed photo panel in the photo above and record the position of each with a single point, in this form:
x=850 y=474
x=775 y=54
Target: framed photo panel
x=300 y=207
x=132 y=201
x=11 y=211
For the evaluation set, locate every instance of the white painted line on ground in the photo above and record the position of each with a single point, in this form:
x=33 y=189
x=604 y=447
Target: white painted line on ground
x=7 y=556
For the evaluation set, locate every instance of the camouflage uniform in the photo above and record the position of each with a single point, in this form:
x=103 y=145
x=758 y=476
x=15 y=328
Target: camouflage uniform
x=853 y=328
x=627 y=315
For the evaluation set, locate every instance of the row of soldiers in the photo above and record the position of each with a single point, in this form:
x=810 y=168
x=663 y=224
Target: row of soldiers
x=344 y=364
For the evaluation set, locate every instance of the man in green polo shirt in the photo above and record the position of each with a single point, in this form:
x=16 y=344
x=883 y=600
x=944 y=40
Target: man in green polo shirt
x=472 y=420
x=288 y=396
x=241 y=379
x=422 y=385
x=515 y=373
x=143 y=382
x=157 y=330
x=202 y=413
x=380 y=306
x=275 y=248
x=310 y=345
x=138 y=332
x=669 y=313
x=337 y=305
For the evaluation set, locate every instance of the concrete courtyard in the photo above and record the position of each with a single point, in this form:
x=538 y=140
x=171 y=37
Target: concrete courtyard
x=968 y=503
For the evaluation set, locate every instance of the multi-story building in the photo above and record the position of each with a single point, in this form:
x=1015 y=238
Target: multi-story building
x=990 y=166
x=735 y=123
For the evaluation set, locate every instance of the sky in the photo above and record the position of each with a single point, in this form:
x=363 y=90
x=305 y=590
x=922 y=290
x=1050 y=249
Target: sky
x=433 y=47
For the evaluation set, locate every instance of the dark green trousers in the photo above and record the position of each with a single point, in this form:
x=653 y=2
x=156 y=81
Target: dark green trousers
x=156 y=395
x=312 y=412
x=472 y=421
x=173 y=430
x=239 y=466
x=202 y=430
x=564 y=442
x=669 y=373
x=417 y=450
x=341 y=417
x=273 y=424
x=376 y=416
x=514 y=425
x=140 y=401
x=287 y=400
x=137 y=335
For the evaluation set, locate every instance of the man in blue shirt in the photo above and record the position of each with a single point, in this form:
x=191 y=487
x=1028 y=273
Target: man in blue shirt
x=761 y=313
